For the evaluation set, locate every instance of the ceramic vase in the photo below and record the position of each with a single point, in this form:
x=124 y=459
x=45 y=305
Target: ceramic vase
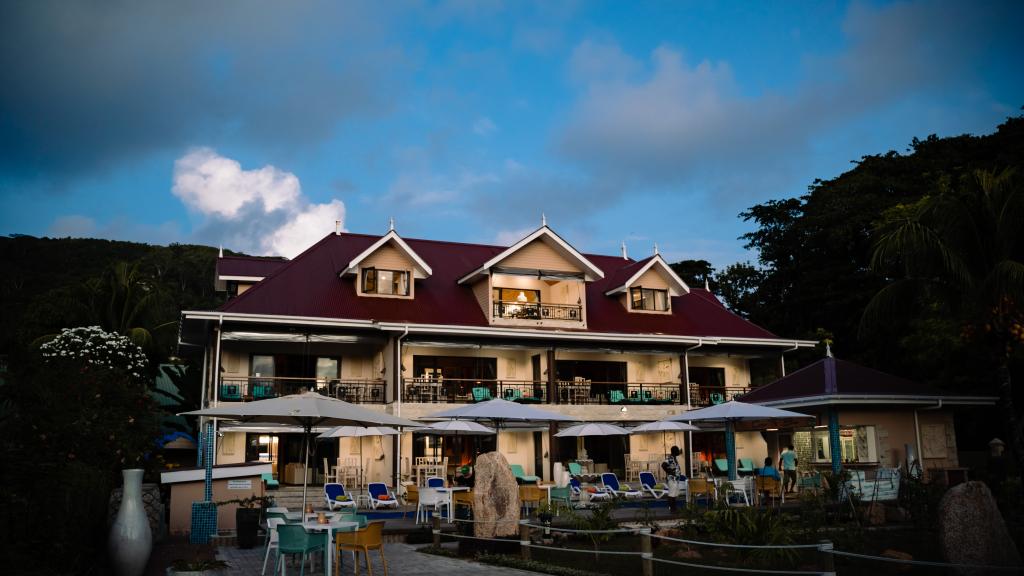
x=130 y=538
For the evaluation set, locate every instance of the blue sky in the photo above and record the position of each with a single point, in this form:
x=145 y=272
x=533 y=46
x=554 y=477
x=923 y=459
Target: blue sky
x=257 y=124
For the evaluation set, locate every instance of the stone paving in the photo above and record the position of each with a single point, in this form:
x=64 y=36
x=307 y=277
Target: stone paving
x=403 y=560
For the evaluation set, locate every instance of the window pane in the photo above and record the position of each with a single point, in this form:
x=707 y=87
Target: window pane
x=326 y=367
x=370 y=281
x=262 y=366
x=402 y=283
x=385 y=282
x=638 y=299
x=661 y=300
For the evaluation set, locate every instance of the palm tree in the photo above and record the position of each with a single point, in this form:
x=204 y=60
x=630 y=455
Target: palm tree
x=124 y=300
x=962 y=250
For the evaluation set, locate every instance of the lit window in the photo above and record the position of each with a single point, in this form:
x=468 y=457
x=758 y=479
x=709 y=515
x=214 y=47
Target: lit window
x=387 y=282
x=649 y=299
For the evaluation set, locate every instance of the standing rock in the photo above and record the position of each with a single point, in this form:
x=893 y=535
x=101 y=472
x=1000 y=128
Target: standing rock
x=973 y=531
x=495 y=497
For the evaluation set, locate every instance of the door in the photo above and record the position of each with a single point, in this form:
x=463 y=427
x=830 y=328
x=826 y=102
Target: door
x=538 y=454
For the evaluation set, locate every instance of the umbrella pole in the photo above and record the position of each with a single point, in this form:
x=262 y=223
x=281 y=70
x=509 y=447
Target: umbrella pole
x=730 y=448
x=305 y=468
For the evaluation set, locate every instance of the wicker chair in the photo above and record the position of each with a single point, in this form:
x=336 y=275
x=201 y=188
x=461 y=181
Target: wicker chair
x=361 y=541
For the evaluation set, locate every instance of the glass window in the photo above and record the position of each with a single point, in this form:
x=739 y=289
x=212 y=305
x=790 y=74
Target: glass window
x=326 y=368
x=516 y=295
x=856 y=444
x=388 y=282
x=262 y=366
x=649 y=299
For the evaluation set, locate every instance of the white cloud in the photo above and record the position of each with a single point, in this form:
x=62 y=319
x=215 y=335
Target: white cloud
x=214 y=185
x=484 y=126
x=261 y=211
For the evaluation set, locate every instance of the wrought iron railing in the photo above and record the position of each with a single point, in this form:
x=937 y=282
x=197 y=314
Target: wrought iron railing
x=247 y=389
x=460 y=390
x=640 y=393
x=704 y=396
x=512 y=309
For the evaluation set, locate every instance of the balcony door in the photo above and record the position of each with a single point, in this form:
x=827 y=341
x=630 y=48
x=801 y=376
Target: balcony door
x=603 y=377
x=462 y=372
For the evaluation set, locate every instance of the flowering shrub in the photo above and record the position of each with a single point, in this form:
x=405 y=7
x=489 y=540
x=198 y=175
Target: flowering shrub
x=97 y=348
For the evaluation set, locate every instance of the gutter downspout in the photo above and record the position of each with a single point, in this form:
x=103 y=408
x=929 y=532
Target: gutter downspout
x=686 y=386
x=917 y=435
x=397 y=469
x=202 y=401
x=216 y=376
x=782 y=359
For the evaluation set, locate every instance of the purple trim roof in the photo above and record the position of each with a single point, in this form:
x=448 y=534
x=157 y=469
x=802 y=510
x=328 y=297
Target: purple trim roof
x=248 y=266
x=832 y=377
x=309 y=286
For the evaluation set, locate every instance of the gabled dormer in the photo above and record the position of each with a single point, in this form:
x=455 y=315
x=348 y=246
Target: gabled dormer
x=539 y=281
x=389 y=268
x=649 y=290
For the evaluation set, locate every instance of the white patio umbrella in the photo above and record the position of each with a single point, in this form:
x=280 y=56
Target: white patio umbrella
x=592 y=429
x=456 y=428
x=359 y=432
x=663 y=426
x=729 y=413
x=499 y=412
x=308 y=409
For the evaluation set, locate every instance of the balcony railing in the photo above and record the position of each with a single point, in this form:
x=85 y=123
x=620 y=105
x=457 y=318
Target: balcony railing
x=457 y=390
x=704 y=396
x=537 y=311
x=640 y=393
x=246 y=389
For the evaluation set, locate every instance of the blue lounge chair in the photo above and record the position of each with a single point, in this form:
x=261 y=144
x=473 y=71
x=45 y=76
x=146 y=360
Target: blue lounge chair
x=651 y=486
x=612 y=486
x=380 y=496
x=577 y=489
x=336 y=497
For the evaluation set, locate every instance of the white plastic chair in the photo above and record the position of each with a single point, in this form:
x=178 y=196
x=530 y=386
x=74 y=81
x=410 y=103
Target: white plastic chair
x=431 y=497
x=741 y=487
x=272 y=524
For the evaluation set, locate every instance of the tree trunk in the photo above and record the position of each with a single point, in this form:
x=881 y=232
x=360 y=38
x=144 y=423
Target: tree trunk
x=1014 y=431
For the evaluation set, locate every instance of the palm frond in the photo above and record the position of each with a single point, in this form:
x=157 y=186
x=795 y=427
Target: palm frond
x=892 y=301
x=918 y=248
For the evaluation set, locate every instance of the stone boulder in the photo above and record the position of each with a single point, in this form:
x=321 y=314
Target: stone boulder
x=495 y=497
x=972 y=531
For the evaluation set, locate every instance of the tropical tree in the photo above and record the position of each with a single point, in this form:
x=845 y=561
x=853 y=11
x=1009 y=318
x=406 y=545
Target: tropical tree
x=956 y=258
x=128 y=302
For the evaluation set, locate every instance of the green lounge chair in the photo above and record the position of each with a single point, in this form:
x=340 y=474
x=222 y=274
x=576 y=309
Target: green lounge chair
x=268 y=479
x=521 y=477
x=746 y=466
x=575 y=469
x=481 y=394
x=721 y=466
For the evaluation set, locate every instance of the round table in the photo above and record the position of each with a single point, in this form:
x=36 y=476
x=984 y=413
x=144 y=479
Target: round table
x=329 y=528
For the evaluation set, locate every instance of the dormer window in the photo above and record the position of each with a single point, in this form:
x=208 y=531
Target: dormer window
x=385 y=282
x=649 y=299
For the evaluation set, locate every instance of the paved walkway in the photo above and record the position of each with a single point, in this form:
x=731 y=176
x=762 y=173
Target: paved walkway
x=403 y=560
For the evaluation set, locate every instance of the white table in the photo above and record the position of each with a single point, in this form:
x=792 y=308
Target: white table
x=276 y=510
x=547 y=488
x=449 y=491
x=329 y=528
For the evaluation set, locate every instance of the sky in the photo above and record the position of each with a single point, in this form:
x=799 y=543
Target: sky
x=256 y=125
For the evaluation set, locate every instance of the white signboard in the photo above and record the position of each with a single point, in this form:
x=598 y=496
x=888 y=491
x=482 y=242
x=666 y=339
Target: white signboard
x=240 y=484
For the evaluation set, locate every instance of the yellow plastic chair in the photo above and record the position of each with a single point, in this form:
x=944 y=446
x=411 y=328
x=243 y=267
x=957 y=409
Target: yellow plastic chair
x=361 y=541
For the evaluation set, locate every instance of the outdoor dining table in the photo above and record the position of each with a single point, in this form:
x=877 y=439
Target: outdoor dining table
x=449 y=491
x=329 y=528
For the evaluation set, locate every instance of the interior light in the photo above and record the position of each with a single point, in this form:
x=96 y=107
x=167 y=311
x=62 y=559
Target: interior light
x=822 y=426
x=521 y=297
x=264 y=439
x=624 y=409
x=772 y=430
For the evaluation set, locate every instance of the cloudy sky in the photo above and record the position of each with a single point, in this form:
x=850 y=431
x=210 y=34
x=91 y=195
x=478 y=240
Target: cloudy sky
x=256 y=124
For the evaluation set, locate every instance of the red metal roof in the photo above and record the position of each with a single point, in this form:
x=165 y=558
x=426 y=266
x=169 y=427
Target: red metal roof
x=249 y=266
x=310 y=286
x=830 y=377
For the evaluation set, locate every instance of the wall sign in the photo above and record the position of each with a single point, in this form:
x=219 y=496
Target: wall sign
x=240 y=484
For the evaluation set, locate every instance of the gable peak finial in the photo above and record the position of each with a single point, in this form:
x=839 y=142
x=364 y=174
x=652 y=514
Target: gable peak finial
x=543 y=219
x=337 y=227
x=656 y=253
x=624 y=255
x=220 y=252
x=391 y=224
x=706 y=286
x=828 y=349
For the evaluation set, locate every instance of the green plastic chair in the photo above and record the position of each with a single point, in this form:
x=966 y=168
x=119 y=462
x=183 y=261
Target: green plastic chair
x=293 y=539
x=562 y=495
x=521 y=476
x=616 y=396
x=481 y=394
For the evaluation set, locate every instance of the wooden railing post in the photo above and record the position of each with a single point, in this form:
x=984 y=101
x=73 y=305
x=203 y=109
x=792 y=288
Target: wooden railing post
x=524 y=539
x=646 y=556
x=437 y=530
x=826 y=562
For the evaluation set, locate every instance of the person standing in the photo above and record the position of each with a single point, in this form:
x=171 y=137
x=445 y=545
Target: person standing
x=788 y=461
x=672 y=472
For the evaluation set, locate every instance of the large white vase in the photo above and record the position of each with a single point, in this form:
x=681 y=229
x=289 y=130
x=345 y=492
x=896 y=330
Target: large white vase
x=130 y=538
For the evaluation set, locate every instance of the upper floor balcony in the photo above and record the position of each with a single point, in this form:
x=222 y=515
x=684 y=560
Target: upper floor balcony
x=511 y=309
x=246 y=389
x=576 y=392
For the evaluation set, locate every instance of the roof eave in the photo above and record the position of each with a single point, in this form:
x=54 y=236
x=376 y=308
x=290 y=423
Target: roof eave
x=591 y=271
x=423 y=269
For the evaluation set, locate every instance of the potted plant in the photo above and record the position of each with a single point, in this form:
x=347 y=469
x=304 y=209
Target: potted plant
x=247 y=517
x=197 y=568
